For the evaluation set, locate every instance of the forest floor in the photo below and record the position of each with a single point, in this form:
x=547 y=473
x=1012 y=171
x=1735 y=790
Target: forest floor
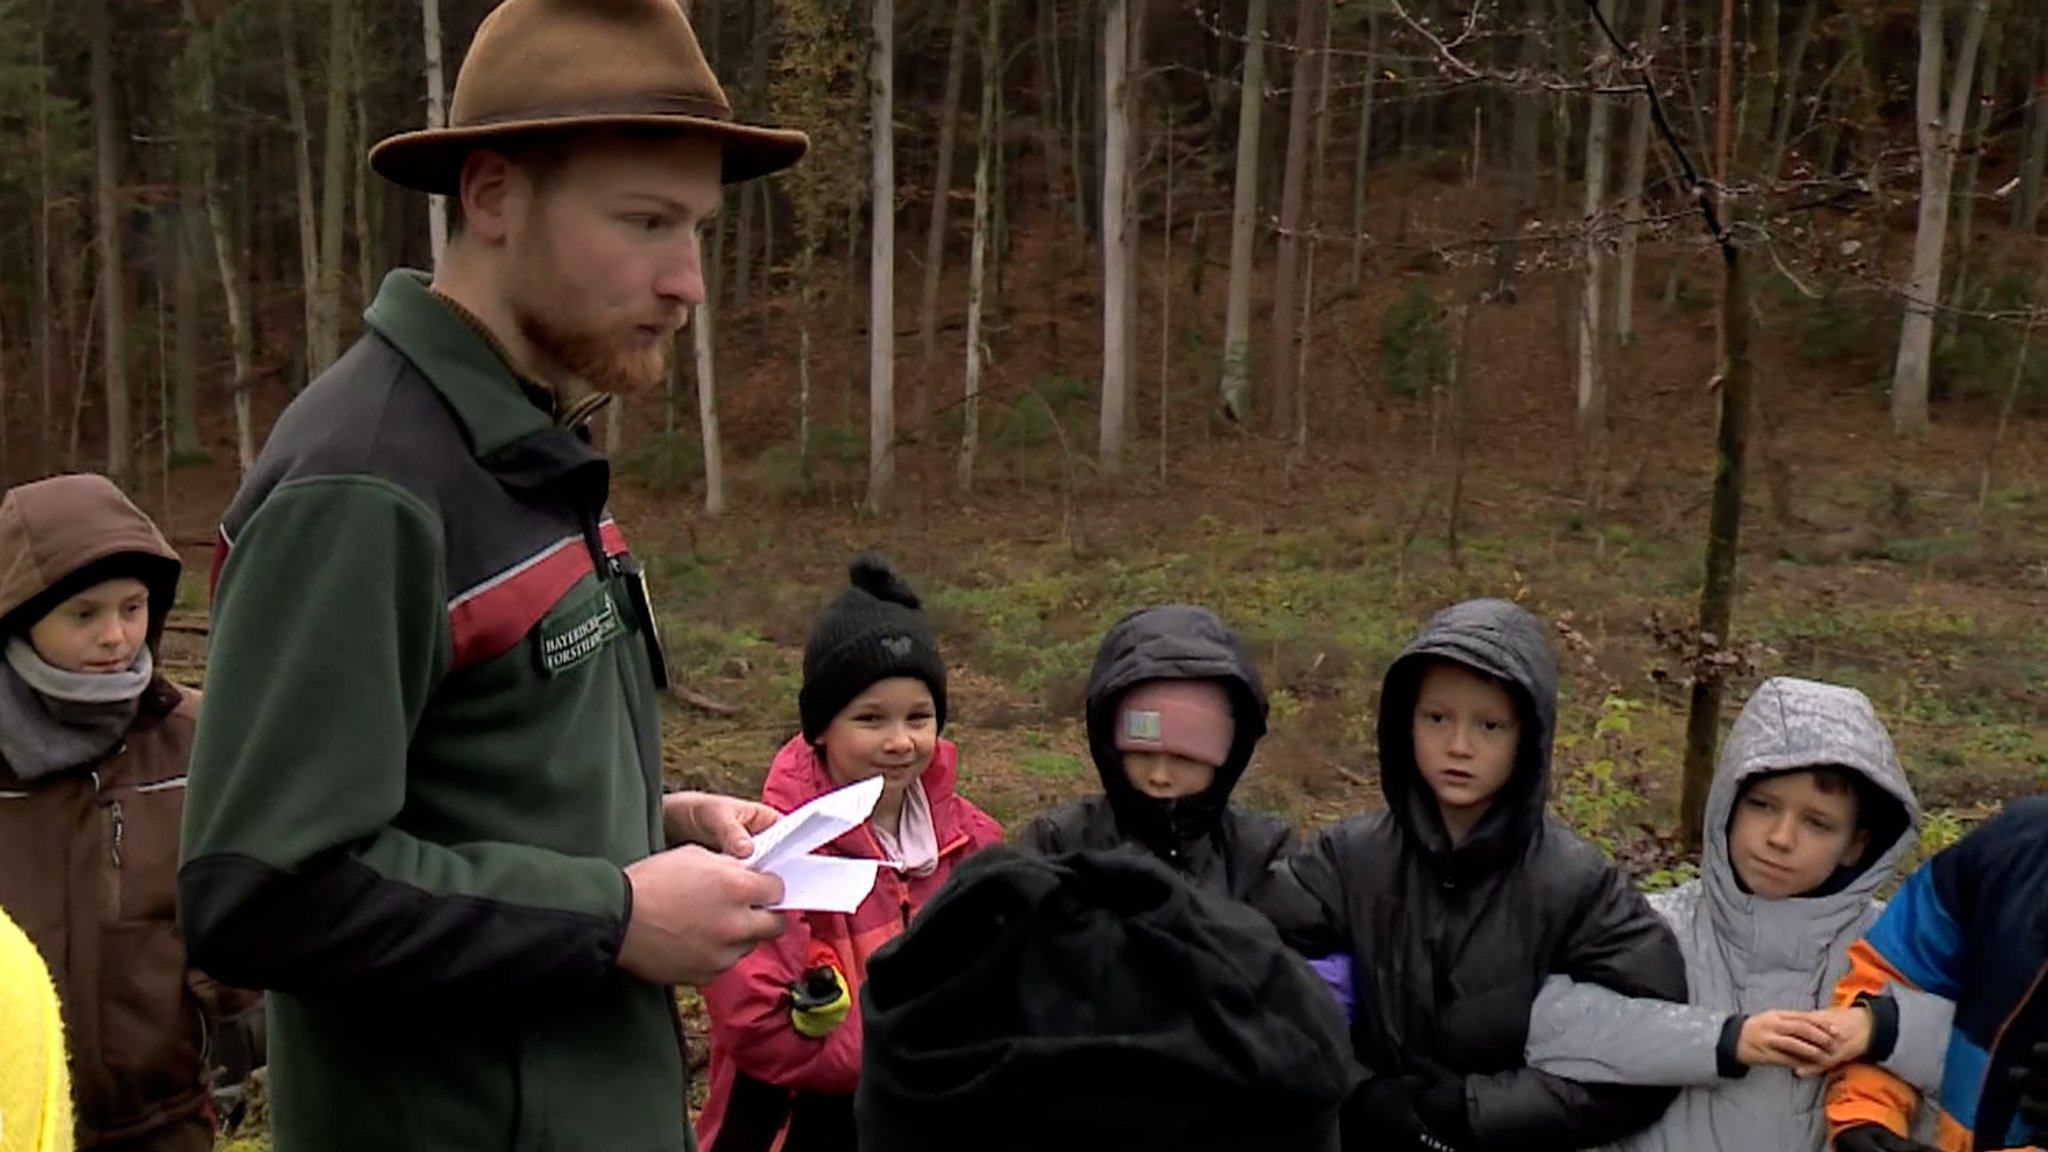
x=1890 y=573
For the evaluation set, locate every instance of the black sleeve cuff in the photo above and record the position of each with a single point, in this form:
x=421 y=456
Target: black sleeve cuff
x=1884 y=1026
x=1727 y=1054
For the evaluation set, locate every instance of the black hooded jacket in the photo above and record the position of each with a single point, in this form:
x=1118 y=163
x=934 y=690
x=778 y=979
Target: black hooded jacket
x=1204 y=837
x=1449 y=944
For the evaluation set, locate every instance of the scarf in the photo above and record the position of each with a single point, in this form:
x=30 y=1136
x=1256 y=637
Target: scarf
x=912 y=847
x=51 y=719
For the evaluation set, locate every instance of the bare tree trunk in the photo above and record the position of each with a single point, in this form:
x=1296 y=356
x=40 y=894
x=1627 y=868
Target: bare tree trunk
x=1361 y=157
x=1287 y=272
x=1117 y=248
x=233 y=286
x=991 y=72
x=2012 y=390
x=1632 y=184
x=1074 y=118
x=1166 y=297
x=753 y=196
x=935 y=235
x=1519 y=189
x=882 y=269
x=1966 y=203
x=1724 y=516
x=1939 y=137
x=309 y=218
x=2026 y=208
x=359 y=77
x=109 y=142
x=326 y=345
x=1045 y=84
x=1237 y=323
x=704 y=341
x=47 y=336
x=1592 y=395
x=437 y=116
x=1319 y=154
x=184 y=414
x=1788 y=90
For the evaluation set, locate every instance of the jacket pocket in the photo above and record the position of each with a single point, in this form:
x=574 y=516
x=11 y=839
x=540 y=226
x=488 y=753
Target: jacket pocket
x=152 y=1031
x=142 y=839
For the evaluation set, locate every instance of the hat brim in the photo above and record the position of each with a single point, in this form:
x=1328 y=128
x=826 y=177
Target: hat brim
x=430 y=159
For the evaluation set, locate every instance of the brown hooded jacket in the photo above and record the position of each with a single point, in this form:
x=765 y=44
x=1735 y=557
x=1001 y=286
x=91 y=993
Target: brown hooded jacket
x=89 y=855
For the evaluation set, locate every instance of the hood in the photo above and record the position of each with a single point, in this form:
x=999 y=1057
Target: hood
x=1790 y=723
x=1505 y=641
x=53 y=529
x=798 y=776
x=1171 y=642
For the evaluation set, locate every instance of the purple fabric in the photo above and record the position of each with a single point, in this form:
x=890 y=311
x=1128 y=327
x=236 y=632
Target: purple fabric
x=1336 y=972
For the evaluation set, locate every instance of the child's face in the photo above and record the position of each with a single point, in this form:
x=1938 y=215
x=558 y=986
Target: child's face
x=1466 y=732
x=1167 y=776
x=887 y=731
x=1791 y=832
x=99 y=630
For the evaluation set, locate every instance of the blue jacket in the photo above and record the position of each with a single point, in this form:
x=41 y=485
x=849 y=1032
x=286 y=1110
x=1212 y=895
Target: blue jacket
x=1970 y=925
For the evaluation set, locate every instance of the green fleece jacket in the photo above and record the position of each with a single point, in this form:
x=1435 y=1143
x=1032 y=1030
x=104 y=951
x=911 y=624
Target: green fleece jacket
x=430 y=746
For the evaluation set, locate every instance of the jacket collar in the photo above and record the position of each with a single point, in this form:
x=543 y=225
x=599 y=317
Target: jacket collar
x=506 y=418
x=798 y=775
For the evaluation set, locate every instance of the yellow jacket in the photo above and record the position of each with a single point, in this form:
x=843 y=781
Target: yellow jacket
x=35 y=1086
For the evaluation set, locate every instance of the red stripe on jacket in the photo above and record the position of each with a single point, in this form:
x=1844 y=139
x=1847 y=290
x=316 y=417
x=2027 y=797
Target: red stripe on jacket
x=490 y=617
x=749 y=1005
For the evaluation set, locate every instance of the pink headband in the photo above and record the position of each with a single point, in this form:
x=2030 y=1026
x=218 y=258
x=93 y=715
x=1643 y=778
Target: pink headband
x=1190 y=718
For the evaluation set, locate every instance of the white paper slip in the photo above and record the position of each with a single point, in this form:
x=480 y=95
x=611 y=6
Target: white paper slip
x=816 y=824
x=819 y=883
x=824 y=883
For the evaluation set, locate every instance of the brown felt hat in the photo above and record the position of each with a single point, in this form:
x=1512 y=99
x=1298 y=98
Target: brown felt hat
x=553 y=65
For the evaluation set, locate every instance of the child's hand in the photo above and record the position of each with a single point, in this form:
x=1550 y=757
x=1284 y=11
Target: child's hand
x=1851 y=1027
x=1793 y=1040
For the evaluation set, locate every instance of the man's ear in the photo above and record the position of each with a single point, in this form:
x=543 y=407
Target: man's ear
x=490 y=191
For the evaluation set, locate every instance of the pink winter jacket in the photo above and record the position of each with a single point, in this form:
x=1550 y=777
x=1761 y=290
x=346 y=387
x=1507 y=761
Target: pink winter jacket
x=753 y=1044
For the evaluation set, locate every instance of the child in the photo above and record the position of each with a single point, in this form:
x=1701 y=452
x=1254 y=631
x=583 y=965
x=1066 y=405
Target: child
x=1456 y=901
x=1174 y=711
x=785 y=1038
x=1970 y=925
x=93 y=746
x=1809 y=814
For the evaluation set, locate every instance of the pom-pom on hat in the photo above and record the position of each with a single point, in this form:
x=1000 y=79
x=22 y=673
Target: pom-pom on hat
x=872 y=631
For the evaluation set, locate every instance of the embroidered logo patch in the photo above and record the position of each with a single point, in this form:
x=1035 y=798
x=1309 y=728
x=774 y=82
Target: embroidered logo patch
x=897 y=646
x=1141 y=726
x=576 y=639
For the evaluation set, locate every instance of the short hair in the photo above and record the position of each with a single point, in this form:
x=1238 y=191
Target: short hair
x=1829 y=780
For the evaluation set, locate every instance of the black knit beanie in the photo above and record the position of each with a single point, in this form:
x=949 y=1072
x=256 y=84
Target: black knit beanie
x=872 y=631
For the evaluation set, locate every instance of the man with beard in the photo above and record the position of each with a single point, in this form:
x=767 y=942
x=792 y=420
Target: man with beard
x=425 y=806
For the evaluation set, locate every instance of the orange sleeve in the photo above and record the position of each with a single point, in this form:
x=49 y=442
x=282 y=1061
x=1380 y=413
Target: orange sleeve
x=1860 y=1093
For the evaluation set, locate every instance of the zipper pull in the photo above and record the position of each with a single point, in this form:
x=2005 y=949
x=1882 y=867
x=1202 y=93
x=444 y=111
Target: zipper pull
x=119 y=826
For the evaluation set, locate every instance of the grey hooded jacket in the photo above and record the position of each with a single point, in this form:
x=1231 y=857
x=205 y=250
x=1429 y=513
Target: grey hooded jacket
x=1746 y=954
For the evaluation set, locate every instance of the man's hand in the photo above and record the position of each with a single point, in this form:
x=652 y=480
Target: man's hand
x=1877 y=1138
x=695 y=913
x=721 y=823
x=1788 y=1039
